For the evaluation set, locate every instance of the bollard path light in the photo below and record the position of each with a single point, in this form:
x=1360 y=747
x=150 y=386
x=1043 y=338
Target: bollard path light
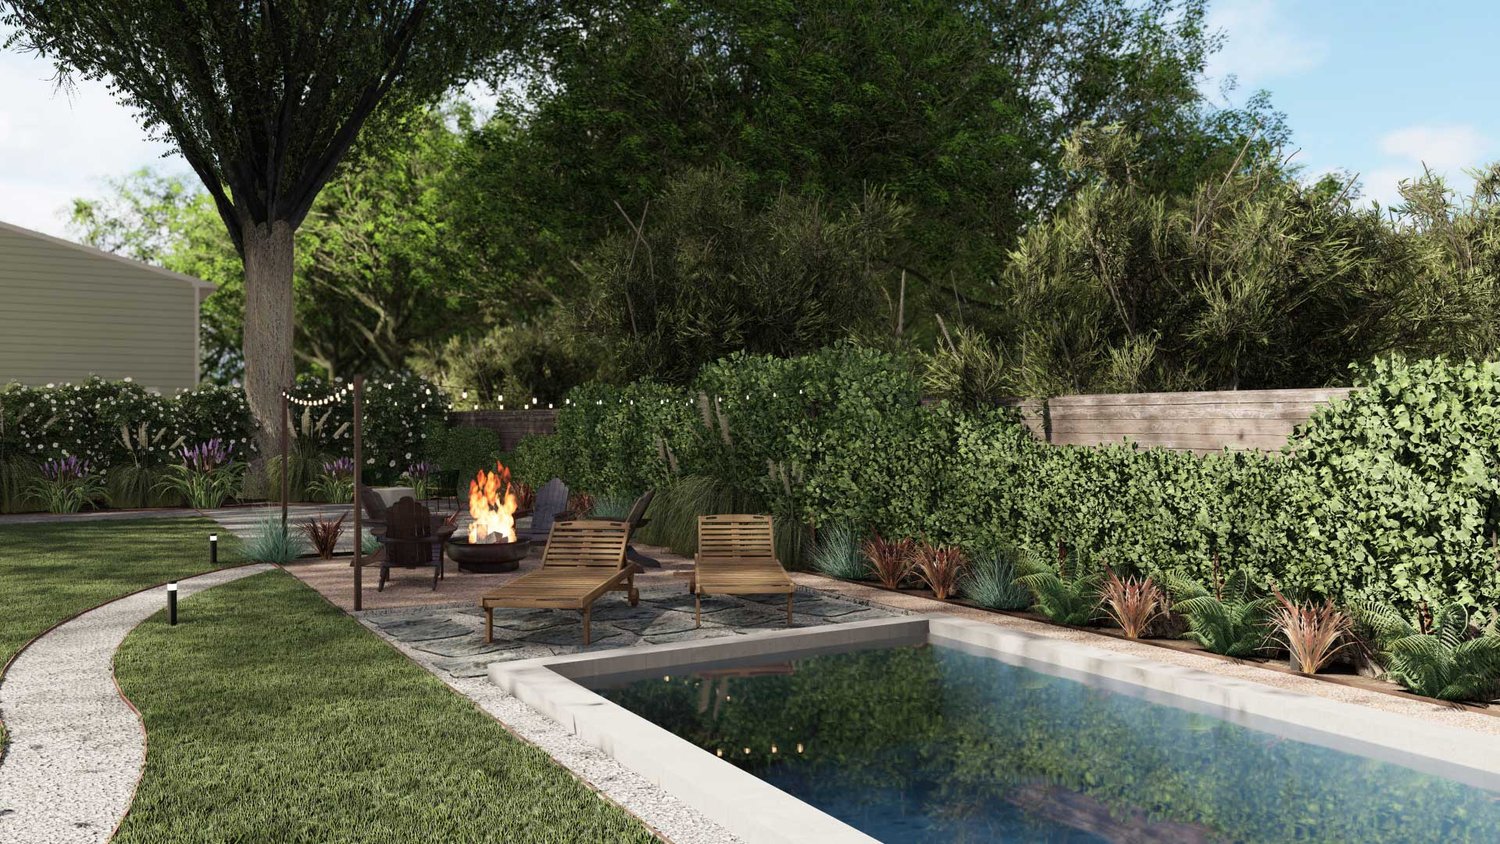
x=213 y=549
x=172 y=603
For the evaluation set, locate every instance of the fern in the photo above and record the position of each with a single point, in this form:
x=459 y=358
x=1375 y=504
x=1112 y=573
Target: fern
x=1064 y=596
x=991 y=581
x=1446 y=663
x=837 y=554
x=1233 y=623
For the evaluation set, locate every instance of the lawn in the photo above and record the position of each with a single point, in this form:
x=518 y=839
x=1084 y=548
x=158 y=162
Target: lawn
x=272 y=716
x=51 y=572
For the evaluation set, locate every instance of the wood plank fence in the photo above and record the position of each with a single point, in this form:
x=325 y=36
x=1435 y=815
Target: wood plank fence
x=1197 y=422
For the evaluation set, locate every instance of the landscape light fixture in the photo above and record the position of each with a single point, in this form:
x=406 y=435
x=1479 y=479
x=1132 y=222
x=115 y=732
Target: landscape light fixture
x=213 y=549
x=172 y=603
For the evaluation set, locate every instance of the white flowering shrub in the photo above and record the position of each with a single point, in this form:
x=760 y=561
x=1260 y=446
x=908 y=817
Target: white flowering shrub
x=400 y=409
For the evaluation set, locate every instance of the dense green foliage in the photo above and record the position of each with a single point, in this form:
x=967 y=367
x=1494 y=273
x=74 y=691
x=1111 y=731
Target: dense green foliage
x=1389 y=494
x=1439 y=657
x=258 y=709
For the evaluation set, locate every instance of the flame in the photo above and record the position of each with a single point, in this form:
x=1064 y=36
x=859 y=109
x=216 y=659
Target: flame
x=492 y=505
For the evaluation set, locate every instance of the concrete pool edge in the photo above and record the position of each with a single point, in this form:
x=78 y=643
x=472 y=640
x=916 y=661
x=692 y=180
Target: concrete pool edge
x=759 y=812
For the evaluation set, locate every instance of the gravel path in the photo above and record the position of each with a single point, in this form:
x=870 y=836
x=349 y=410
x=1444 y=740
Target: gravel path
x=76 y=746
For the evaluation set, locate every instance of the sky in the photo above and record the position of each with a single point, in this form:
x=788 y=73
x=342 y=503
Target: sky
x=1376 y=88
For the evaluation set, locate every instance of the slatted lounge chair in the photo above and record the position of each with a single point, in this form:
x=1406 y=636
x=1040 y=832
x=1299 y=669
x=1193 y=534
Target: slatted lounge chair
x=582 y=561
x=737 y=556
x=551 y=500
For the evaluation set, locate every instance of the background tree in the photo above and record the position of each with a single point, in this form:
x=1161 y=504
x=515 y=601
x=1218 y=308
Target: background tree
x=264 y=100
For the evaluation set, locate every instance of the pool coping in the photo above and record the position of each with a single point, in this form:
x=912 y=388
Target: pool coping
x=759 y=812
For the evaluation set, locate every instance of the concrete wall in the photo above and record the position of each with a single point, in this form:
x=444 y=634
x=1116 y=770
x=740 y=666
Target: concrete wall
x=68 y=312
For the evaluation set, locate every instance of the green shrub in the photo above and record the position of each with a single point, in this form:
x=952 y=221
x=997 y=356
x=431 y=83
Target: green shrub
x=463 y=451
x=1445 y=661
x=1065 y=591
x=1232 y=621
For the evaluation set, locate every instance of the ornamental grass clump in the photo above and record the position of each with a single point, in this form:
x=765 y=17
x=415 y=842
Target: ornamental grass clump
x=323 y=534
x=66 y=484
x=940 y=568
x=1313 y=633
x=1065 y=593
x=207 y=475
x=1444 y=657
x=335 y=483
x=991 y=581
x=889 y=560
x=1132 y=602
x=837 y=553
x=275 y=543
x=421 y=477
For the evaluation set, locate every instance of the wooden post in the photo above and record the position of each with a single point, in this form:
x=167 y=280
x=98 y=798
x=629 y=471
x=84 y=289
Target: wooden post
x=359 y=424
x=286 y=448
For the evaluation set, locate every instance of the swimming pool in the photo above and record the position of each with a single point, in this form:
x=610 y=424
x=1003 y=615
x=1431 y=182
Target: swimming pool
x=969 y=734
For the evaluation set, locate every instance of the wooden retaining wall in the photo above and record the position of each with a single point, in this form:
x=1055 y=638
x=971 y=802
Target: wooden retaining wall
x=1196 y=422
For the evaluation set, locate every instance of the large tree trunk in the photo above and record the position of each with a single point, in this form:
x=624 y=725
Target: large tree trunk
x=269 y=327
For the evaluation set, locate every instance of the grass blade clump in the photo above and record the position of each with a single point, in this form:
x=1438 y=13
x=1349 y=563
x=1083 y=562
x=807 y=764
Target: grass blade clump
x=1133 y=602
x=991 y=581
x=273 y=543
x=940 y=568
x=1064 y=593
x=1312 y=632
x=324 y=534
x=1233 y=621
x=837 y=554
x=890 y=560
x=1449 y=660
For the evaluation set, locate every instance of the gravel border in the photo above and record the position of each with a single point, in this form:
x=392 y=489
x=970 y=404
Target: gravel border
x=77 y=746
x=668 y=817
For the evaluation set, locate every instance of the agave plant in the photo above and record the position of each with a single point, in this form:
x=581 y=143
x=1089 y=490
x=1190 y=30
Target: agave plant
x=991 y=581
x=939 y=567
x=1448 y=661
x=1231 y=621
x=324 y=534
x=1065 y=593
x=889 y=560
x=1132 y=602
x=837 y=553
x=1313 y=633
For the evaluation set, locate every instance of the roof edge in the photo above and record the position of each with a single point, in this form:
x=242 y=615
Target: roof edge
x=100 y=253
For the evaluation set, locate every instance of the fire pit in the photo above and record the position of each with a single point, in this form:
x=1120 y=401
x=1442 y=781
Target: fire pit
x=492 y=545
x=487 y=557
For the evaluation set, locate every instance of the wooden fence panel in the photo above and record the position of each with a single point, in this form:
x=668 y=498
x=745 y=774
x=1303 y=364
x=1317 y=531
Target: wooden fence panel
x=1197 y=422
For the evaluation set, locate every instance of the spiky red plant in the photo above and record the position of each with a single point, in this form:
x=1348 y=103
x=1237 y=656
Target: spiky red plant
x=1313 y=633
x=525 y=496
x=890 y=560
x=324 y=534
x=580 y=505
x=1133 y=602
x=940 y=568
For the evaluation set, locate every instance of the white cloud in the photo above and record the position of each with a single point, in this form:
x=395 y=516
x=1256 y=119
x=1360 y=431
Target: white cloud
x=56 y=145
x=1259 y=44
x=1447 y=150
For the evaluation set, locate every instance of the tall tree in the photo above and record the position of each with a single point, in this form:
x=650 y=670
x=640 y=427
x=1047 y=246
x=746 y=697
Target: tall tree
x=263 y=100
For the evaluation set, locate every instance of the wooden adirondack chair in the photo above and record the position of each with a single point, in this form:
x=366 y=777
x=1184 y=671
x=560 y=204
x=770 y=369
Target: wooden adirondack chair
x=582 y=561
x=737 y=556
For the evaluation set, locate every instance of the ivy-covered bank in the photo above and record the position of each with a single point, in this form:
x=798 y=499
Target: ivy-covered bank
x=1390 y=494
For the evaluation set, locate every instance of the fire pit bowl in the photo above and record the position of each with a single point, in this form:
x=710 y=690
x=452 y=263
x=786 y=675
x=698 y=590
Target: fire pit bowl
x=487 y=557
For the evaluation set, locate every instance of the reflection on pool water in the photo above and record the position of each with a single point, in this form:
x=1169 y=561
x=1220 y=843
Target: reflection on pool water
x=933 y=744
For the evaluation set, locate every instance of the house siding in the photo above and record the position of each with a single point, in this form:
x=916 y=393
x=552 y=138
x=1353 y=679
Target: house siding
x=68 y=312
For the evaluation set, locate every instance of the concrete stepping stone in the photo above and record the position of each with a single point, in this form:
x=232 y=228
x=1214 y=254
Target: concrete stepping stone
x=466 y=647
x=704 y=632
x=571 y=634
x=824 y=609
x=745 y=616
x=625 y=612
x=667 y=621
x=422 y=630
x=711 y=603
x=532 y=620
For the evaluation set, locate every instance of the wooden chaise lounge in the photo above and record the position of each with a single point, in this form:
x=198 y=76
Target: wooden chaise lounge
x=582 y=561
x=737 y=556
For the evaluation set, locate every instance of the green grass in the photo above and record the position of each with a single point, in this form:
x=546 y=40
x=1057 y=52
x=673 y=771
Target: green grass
x=272 y=716
x=53 y=571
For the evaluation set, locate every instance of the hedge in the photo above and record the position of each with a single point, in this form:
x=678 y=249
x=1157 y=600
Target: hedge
x=1390 y=494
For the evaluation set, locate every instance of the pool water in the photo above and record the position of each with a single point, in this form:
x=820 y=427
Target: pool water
x=933 y=744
